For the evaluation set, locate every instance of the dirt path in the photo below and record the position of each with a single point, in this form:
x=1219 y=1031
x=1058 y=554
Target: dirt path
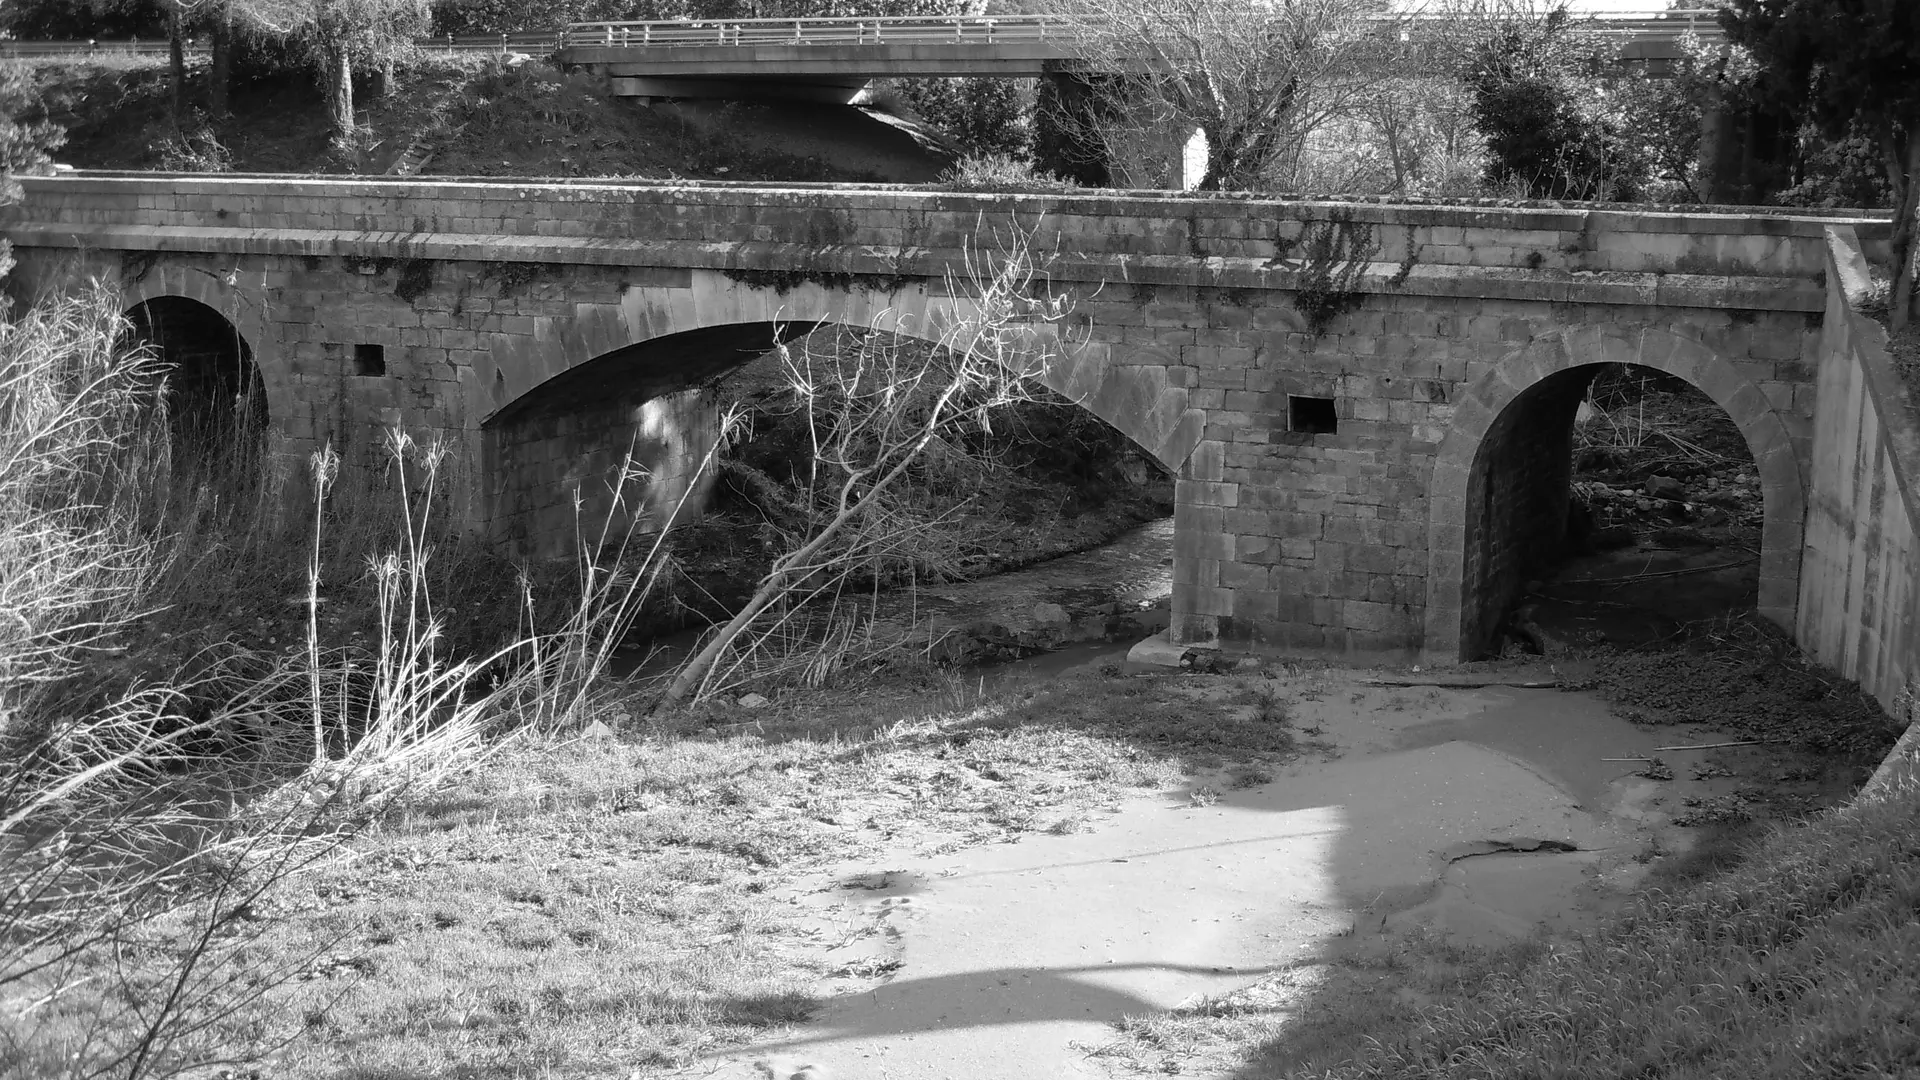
x=1479 y=814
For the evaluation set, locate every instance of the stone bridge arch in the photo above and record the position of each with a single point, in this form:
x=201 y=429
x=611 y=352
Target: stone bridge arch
x=1461 y=598
x=1132 y=390
x=221 y=402
x=239 y=297
x=711 y=310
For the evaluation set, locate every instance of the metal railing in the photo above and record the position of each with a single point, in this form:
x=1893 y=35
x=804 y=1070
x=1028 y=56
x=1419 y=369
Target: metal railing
x=895 y=30
x=133 y=47
x=538 y=41
x=892 y=30
x=910 y=30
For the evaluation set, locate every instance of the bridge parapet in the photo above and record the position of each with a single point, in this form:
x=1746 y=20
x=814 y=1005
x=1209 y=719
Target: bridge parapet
x=1601 y=253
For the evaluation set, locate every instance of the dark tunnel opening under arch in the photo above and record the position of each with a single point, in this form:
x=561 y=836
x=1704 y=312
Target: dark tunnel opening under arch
x=574 y=433
x=1607 y=504
x=216 y=401
x=660 y=399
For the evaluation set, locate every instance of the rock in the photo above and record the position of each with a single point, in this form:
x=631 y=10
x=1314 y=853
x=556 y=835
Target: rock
x=1712 y=515
x=778 y=1068
x=1050 y=614
x=754 y=701
x=597 y=731
x=1665 y=487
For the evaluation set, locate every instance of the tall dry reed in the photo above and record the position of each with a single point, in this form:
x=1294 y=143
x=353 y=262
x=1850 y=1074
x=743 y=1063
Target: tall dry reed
x=145 y=820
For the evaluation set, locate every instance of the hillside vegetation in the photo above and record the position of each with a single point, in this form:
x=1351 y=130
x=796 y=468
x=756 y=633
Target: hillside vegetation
x=463 y=115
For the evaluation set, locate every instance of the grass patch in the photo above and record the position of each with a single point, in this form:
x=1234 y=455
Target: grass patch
x=1801 y=959
x=1768 y=950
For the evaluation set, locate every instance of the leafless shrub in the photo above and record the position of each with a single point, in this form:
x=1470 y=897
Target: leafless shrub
x=877 y=411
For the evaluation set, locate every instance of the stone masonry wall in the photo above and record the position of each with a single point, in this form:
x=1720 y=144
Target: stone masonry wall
x=1185 y=335
x=1321 y=541
x=1517 y=502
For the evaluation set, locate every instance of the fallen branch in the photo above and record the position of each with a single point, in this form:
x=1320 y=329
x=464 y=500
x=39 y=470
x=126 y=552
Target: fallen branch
x=1718 y=745
x=1657 y=574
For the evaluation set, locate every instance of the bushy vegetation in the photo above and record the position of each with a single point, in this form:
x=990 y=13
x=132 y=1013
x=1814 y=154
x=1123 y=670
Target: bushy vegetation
x=983 y=117
x=1531 y=83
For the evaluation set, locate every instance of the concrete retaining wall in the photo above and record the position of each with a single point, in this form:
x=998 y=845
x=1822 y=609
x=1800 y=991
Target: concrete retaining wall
x=1859 y=609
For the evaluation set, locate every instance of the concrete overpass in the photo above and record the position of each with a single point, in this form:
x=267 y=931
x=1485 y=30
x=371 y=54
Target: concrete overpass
x=832 y=58
x=1380 y=486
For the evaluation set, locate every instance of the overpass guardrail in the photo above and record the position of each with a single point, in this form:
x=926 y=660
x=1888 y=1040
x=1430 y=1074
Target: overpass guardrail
x=903 y=30
x=978 y=29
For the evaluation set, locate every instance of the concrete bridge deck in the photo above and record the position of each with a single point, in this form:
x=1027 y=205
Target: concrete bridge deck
x=850 y=51
x=546 y=328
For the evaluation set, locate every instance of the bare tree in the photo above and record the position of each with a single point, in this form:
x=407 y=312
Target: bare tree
x=1253 y=76
x=877 y=411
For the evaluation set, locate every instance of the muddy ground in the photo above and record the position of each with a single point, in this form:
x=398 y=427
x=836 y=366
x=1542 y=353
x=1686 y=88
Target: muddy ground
x=1475 y=817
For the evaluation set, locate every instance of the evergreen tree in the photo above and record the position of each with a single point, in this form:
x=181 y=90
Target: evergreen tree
x=1536 y=82
x=25 y=144
x=1849 y=64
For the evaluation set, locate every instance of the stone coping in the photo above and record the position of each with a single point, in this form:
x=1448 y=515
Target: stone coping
x=1527 y=215
x=1554 y=286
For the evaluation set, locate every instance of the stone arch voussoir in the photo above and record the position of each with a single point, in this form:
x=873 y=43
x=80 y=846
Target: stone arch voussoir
x=1136 y=397
x=1781 y=473
x=240 y=297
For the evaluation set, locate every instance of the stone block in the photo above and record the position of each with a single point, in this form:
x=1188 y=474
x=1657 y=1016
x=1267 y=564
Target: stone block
x=1237 y=576
x=1202 y=600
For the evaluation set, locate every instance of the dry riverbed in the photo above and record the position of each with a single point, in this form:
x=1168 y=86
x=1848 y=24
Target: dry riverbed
x=921 y=875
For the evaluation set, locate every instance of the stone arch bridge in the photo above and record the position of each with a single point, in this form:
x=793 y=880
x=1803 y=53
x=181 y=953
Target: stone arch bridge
x=1377 y=485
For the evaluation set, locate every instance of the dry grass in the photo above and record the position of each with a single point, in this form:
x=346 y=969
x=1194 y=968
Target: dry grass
x=617 y=905
x=147 y=825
